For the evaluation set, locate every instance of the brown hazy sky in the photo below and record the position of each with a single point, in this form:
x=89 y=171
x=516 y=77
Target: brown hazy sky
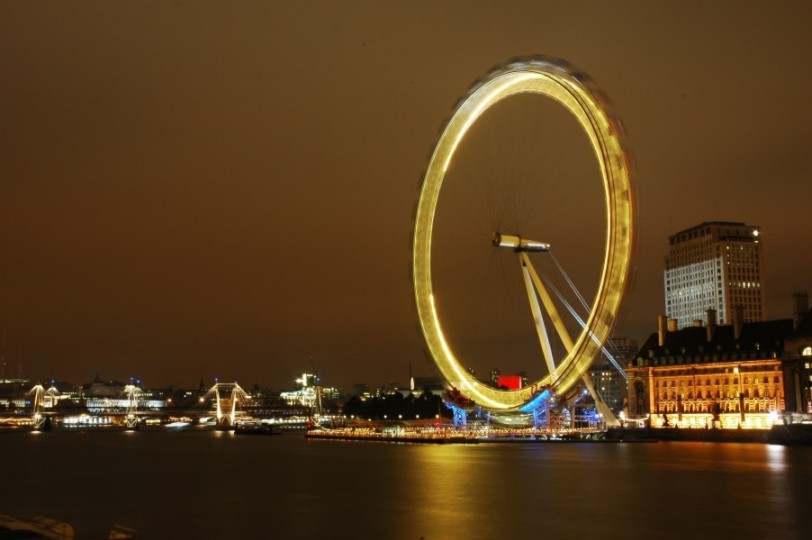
x=226 y=188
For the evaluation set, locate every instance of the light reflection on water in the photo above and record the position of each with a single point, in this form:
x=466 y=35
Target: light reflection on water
x=776 y=457
x=670 y=490
x=217 y=485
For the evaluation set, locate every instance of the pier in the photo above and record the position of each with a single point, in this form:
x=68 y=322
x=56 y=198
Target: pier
x=449 y=434
x=413 y=436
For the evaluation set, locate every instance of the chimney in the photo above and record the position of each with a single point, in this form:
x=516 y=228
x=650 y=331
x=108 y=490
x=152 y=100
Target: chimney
x=711 y=328
x=738 y=321
x=800 y=302
x=672 y=325
x=661 y=329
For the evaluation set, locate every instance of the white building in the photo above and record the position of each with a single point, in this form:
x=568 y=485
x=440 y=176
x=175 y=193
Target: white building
x=714 y=265
x=307 y=393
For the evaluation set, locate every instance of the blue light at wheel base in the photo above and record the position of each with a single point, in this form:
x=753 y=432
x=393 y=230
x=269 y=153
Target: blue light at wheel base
x=536 y=402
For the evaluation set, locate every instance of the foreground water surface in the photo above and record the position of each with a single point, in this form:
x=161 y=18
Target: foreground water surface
x=207 y=484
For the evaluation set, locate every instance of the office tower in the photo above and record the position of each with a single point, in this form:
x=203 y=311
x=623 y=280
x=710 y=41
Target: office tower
x=608 y=381
x=714 y=265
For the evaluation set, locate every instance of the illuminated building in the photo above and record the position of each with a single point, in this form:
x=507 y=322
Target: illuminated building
x=798 y=362
x=714 y=265
x=307 y=393
x=102 y=389
x=12 y=393
x=361 y=390
x=607 y=380
x=67 y=390
x=710 y=376
x=432 y=385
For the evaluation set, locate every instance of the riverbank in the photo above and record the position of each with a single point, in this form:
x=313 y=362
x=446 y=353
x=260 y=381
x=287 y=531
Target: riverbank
x=791 y=434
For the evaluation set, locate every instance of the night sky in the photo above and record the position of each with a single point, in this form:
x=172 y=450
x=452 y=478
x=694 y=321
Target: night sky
x=200 y=189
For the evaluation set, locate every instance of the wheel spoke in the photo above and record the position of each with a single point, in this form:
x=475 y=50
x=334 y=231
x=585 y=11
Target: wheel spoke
x=538 y=319
x=549 y=305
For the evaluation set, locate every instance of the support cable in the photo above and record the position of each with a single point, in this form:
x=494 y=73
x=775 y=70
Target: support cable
x=578 y=318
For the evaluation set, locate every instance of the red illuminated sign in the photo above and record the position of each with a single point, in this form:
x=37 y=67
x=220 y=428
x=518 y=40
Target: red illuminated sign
x=511 y=382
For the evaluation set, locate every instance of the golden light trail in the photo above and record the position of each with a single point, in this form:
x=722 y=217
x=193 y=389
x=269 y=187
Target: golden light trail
x=555 y=80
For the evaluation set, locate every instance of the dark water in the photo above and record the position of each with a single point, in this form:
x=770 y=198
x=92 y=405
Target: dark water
x=205 y=484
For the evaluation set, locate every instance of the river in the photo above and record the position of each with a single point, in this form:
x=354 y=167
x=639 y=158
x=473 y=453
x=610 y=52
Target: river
x=208 y=484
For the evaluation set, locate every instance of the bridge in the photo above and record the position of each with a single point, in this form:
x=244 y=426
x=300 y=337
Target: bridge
x=222 y=406
x=227 y=396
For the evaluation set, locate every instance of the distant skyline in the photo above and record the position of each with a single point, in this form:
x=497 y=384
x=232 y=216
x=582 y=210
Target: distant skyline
x=198 y=189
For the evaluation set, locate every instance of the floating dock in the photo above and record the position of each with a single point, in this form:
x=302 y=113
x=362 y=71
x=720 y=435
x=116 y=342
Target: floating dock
x=411 y=437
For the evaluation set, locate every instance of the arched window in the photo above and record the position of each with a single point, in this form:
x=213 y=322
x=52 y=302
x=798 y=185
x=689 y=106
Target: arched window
x=807 y=351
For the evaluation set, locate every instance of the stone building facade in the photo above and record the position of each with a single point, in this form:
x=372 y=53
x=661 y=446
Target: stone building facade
x=724 y=376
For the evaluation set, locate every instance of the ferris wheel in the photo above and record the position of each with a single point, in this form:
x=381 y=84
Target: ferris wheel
x=555 y=80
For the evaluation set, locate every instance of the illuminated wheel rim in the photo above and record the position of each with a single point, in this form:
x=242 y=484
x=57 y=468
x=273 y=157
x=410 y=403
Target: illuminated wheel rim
x=556 y=80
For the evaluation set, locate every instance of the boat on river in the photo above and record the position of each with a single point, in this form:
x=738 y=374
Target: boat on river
x=255 y=428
